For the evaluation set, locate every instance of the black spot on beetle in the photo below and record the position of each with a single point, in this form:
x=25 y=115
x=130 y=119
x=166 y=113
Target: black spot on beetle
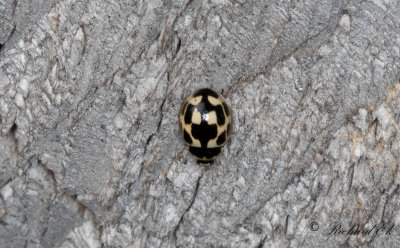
x=188 y=114
x=205 y=106
x=228 y=128
x=221 y=139
x=187 y=138
x=220 y=115
x=205 y=153
x=204 y=132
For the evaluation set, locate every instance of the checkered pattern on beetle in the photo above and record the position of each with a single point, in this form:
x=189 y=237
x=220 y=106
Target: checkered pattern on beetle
x=205 y=123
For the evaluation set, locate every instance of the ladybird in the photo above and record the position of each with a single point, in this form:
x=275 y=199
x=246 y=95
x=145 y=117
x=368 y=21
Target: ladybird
x=205 y=124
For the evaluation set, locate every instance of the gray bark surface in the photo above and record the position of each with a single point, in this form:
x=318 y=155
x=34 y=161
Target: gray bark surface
x=90 y=154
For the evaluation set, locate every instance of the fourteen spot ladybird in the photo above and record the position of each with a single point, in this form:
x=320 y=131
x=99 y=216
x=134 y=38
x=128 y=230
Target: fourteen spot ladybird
x=205 y=123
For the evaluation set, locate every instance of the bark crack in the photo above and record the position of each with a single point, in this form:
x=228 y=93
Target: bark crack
x=189 y=206
x=14 y=6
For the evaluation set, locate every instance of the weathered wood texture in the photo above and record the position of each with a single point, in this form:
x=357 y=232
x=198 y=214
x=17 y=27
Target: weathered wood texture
x=89 y=149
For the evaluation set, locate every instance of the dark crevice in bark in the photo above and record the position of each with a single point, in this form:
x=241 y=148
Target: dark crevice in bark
x=152 y=135
x=12 y=133
x=89 y=96
x=161 y=112
x=189 y=3
x=262 y=242
x=178 y=45
x=189 y=206
x=14 y=6
x=5 y=183
x=13 y=130
x=286 y=224
x=82 y=209
x=11 y=33
x=351 y=175
x=389 y=197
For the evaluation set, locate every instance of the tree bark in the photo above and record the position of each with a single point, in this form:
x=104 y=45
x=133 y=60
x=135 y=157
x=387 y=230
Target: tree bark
x=90 y=154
